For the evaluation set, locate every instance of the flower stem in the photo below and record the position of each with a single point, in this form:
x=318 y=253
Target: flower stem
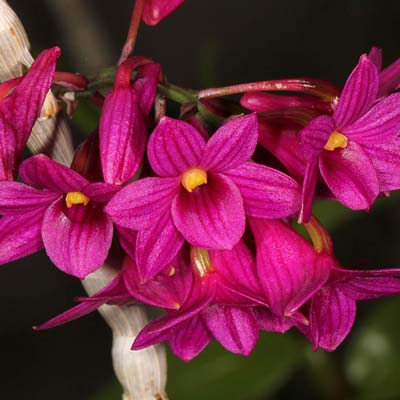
x=316 y=87
x=129 y=45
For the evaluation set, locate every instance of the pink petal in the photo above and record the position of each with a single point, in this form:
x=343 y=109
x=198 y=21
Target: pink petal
x=158 y=292
x=114 y=289
x=200 y=297
x=157 y=246
x=145 y=86
x=234 y=327
x=77 y=240
x=100 y=192
x=232 y=144
x=190 y=338
x=44 y=172
x=375 y=55
x=17 y=198
x=266 y=192
x=122 y=135
x=174 y=147
x=145 y=338
x=385 y=158
x=289 y=268
x=370 y=284
x=359 y=93
x=212 y=216
x=308 y=192
x=380 y=124
x=389 y=79
x=315 y=135
x=156 y=10
x=138 y=205
x=237 y=273
x=269 y=322
x=331 y=317
x=350 y=175
x=20 y=235
x=19 y=110
x=127 y=240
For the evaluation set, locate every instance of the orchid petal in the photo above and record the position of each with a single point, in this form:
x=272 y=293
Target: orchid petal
x=122 y=134
x=127 y=240
x=190 y=338
x=386 y=160
x=266 y=192
x=100 y=192
x=17 y=198
x=20 y=109
x=290 y=270
x=380 y=124
x=145 y=86
x=234 y=327
x=20 y=235
x=44 y=172
x=156 y=10
x=269 y=322
x=232 y=144
x=308 y=191
x=331 y=317
x=370 y=284
x=157 y=246
x=76 y=240
x=315 y=135
x=238 y=279
x=158 y=292
x=389 y=79
x=138 y=205
x=358 y=95
x=351 y=176
x=375 y=55
x=212 y=216
x=174 y=147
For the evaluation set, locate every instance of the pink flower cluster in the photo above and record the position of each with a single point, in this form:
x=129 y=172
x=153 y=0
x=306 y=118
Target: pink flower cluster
x=203 y=224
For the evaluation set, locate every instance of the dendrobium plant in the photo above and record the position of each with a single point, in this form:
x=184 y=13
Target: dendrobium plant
x=202 y=221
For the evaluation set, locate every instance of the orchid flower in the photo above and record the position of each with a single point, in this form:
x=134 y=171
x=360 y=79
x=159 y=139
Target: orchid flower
x=203 y=192
x=357 y=148
x=66 y=217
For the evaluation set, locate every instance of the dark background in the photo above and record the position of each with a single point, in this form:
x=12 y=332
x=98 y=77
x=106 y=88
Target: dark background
x=208 y=43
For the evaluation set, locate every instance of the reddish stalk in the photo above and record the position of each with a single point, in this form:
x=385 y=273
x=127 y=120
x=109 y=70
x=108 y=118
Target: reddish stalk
x=70 y=80
x=129 y=45
x=323 y=89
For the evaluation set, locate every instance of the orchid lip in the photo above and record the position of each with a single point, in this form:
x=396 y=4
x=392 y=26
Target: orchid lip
x=193 y=178
x=74 y=198
x=336 y=140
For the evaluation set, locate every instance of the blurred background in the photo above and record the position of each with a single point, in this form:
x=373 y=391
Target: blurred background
x=205 y=43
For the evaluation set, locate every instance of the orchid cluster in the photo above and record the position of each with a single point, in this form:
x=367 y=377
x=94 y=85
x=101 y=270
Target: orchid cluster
x=204 y=228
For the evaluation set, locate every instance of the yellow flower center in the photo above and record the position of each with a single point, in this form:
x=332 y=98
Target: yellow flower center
x=336 y=140
x=193 y=178
x=73 y=198
x=201 y=262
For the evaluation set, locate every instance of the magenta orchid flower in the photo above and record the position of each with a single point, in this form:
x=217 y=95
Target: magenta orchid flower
x=217 y=302
x=66 y=217
x=20 y=110
x=202 y=193
x=123 y=120
x=357 y=148
x=156 y=10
